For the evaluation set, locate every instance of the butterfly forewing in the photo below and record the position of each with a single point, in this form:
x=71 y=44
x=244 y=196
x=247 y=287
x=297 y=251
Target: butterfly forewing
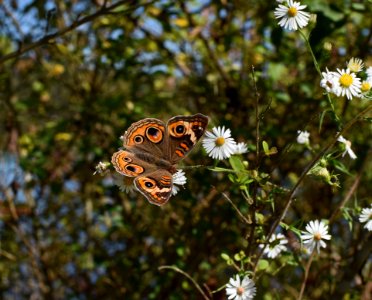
x=147 y=135
x=184 y=132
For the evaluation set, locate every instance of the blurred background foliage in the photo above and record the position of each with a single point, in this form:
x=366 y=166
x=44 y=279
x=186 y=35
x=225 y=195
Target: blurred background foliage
x=66 y=234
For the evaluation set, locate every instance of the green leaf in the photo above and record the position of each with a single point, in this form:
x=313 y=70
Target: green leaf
x=218 y=169
x=237 y=163
x=341 y=167
x=268 y=152
x=263 y=264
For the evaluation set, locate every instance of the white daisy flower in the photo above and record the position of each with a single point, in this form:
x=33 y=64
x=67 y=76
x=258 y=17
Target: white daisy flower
x=369 y=72
x=124 y=183
x=179 y=178
x=303 y=137
x=219 y=144
x=366 y=217
x=355 y=65
x=276 y=245
x=291 y=15
x=329 y=82
x=348 y=149
x=349 y=84
x=316 y=232
x=241 y=148
x=101 y=168
x=243 y=290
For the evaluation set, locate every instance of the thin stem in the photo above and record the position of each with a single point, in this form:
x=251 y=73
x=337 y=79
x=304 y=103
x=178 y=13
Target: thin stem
x=236 y=209
x=316 y=65
x=307 y=269
x=174 y=268
x=347 y=197
x=253 y=206
x=257 y=119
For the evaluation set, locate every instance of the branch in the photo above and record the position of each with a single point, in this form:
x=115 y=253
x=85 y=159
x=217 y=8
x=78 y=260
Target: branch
x=307 y=269
x=48 y=38
x=303 y=175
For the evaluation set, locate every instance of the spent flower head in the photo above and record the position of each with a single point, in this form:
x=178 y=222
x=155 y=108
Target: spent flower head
x=355 y=65
x=101 y=168
x=349 y=84
x=347 y=145
x=276 y=245
x=366 y=217
x=219 y=144
x=238 y=289
x=316 y=232
x=291 y=15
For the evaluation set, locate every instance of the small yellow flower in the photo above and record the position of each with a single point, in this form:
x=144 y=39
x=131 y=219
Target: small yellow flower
x=366 y=86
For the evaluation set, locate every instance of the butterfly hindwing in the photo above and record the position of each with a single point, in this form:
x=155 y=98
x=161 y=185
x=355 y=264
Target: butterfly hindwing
x=155 y=186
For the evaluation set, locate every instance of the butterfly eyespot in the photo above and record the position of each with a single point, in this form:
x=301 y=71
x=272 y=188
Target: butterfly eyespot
x=138 y=139
x=149 y=184
x=133 y=170
x=180 y=129
x=130 y=168
x=154 y=134
x=127 y=159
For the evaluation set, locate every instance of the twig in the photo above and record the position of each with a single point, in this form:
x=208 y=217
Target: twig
x=255 y=185
x=257 y=118
x=47 y=38
x=347 y=197
x=316 y=65
x=303 y=285
x=237 y=209
x=174 y=268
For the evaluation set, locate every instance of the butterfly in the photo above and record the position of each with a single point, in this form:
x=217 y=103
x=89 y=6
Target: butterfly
x=152 y=150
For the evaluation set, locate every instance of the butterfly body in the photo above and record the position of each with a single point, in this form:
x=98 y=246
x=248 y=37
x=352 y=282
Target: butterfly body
x=152 y=150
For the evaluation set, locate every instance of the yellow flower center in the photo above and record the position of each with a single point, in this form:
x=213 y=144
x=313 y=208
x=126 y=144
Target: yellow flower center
x=317 y=236
x=292 y=11
x=240 y=291
x=346 y=80
x=366 y=86
x=220 y=141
